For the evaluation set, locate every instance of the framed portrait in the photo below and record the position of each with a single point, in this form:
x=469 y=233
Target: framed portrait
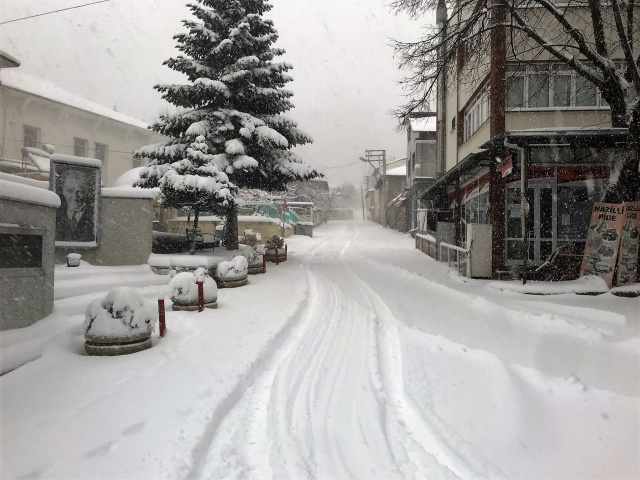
x=76 y=180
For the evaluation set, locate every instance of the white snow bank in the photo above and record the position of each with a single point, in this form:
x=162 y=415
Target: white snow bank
x=89 y=162
x=130 y=192
x=233 y=270
x=588 y=284
x=28 y=194
x=24 y=180
x=183 y=287
x=128 y=178
x=123 y=312
x=209 y=261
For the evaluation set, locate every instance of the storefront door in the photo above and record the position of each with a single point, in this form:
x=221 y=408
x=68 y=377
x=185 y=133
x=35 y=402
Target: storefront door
x=540 y=224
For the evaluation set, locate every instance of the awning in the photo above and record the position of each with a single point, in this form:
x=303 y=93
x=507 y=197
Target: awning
x=469 y=163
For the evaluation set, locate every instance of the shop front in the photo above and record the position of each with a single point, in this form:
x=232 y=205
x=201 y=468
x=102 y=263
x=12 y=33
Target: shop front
x=565 y=172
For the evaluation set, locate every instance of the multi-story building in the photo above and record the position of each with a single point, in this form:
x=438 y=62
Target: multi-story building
x=422 y=166
x=37 y=118
x=536 y=117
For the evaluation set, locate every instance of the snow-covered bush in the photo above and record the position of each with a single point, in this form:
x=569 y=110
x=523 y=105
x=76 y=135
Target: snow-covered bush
x=274 y=242
x=123 y=312
x=234 y=269
x=183 y=287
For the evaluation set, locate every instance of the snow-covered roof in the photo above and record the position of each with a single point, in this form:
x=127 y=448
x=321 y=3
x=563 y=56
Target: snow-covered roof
x=40 y=158
x=28 y=194
x=423 y=124
x=18 y=80
x=401 y=170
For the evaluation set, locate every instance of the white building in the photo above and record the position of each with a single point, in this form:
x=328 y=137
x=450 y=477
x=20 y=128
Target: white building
x=36 y=115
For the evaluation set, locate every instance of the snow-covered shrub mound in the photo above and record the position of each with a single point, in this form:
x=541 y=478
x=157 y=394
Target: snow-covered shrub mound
x=123 y=312
x=183 y=287
x=234 y=269
x=253 y=256
x=274 y=242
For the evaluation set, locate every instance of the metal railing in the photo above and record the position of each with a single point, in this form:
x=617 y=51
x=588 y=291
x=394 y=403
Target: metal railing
x=458 y=252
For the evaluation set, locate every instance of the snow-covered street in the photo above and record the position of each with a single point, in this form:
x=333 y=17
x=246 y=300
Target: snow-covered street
x=359 y=357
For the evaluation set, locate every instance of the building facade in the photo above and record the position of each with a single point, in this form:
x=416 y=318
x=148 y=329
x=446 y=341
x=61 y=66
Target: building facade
x=38 y=118
x=531 y=126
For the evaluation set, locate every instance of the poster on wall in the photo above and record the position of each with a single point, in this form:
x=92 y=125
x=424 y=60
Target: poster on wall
x=76 y=180
x=603 y=240
x=629 y=242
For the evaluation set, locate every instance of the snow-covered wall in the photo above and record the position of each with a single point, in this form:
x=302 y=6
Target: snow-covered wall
x=125 y=231
x=27 y=293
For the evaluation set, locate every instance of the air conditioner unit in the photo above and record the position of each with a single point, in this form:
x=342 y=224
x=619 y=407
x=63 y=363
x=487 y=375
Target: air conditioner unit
x=479 y=258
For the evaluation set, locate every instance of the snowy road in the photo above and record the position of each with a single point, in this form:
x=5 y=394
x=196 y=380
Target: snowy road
x=358 y=358
x=332 y=403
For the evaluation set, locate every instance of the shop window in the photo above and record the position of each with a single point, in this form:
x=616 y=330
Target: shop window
x=574 y=212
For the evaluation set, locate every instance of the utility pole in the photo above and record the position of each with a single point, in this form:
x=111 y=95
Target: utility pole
x=379 y=156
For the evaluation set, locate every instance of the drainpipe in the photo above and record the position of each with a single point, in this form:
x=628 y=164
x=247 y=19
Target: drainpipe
x=523 y=204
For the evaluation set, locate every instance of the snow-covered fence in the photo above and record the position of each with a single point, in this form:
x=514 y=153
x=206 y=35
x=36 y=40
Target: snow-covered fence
x=426 y=244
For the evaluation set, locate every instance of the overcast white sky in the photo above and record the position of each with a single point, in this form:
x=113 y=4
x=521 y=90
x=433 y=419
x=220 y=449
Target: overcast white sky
x=345 y=77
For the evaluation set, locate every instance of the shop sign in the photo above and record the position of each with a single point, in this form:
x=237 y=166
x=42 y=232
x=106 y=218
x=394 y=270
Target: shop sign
x=508 y=165
x=629 y=243
x=603 y=241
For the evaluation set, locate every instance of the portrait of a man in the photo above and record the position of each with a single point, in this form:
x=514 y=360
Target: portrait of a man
x=77 y=188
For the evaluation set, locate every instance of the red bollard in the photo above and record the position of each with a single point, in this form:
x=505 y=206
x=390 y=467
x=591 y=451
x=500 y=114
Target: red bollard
x=264 y=263
x=200 y=296
x=277 y=258
x=161 y=320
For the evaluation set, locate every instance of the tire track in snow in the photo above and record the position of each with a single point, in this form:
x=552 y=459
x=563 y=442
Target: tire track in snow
x=201 y=449
x=424 y=435
x=316 y=411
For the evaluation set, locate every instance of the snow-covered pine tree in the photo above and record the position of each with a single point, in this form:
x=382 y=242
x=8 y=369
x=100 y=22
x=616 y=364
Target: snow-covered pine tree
x=195 y=182
x=235 y=99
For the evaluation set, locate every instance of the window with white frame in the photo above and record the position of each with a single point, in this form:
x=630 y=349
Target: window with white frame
x=550 y=86
x=477 y=113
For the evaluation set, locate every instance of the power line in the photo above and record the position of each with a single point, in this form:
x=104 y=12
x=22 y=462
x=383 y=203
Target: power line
x=53 y=11
x=337 y=166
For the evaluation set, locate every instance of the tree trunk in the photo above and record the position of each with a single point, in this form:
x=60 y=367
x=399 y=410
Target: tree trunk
x=627 y=186
x=192 y=250
x=232 y=229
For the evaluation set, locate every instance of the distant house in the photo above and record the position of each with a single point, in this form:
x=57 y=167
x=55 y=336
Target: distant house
x=375 y=199
x=38 y=118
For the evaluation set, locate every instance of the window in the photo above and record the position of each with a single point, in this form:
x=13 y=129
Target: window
x=476 y=114
x=543 y=87
x=586 y=94
x=562 y=90
x=538 y=90
x=31 y=136
x=80 y=146
x=101 y=152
